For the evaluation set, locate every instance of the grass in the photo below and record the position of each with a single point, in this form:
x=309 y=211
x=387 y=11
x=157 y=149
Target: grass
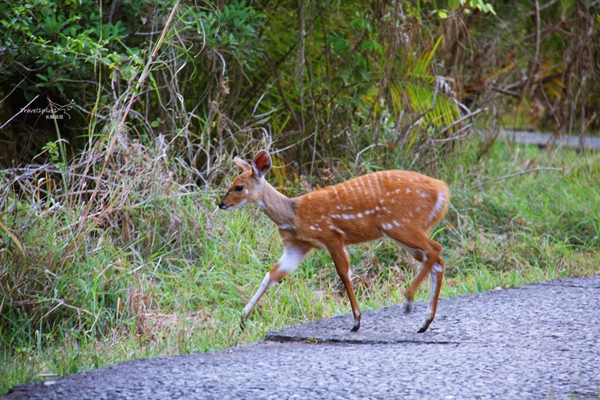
x=170 y=273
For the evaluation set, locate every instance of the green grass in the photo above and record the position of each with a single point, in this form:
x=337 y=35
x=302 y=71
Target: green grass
x=179 y=283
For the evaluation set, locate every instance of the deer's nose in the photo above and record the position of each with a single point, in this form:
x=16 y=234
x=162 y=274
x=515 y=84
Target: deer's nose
x=222 y=205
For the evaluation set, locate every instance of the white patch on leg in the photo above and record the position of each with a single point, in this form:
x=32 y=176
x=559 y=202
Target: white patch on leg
x=263 y=286
x=434 y=285
x=291 y=258
x=288 y=262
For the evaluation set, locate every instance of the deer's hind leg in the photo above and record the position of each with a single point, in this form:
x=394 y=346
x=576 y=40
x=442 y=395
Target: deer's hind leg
x=427 y=251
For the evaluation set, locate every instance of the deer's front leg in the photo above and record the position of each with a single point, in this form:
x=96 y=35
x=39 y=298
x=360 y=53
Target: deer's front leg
x=289 y=261
x=342 y=266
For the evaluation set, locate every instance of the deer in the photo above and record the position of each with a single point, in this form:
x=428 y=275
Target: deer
x=401 y=205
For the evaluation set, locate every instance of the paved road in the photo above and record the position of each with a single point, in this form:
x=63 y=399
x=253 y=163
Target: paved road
x=544 y=139
x=539 y=341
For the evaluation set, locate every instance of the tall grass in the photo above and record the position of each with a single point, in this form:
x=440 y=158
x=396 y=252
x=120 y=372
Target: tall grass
x=168 y=273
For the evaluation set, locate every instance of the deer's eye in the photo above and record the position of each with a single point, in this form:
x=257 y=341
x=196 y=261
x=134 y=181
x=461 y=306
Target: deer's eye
x=239 y=188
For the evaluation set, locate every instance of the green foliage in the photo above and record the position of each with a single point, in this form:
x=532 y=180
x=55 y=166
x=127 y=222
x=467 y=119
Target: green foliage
x=466 y=6
x=98 y=56
x=58 y=44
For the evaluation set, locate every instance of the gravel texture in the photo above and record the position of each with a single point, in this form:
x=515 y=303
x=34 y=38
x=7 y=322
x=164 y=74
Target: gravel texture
x=540 y=341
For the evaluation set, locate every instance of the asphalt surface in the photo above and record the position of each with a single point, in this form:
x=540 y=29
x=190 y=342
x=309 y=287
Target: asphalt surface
x=539 y=341
x=544 y=139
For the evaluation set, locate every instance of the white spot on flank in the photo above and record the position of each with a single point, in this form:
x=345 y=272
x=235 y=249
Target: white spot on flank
x=312 y=228
x=397 y=190
x=368 y=212
x=360 y=215
x=418 y=209
x=377 y=208
x=396 y=223
x=381 y=201
x=407 y=190
x=338 y=207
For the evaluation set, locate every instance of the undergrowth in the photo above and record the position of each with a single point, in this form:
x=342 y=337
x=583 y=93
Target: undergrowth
x=168 y=273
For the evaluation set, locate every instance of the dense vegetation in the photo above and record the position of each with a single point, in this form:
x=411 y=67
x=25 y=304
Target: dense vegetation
x=119 y=119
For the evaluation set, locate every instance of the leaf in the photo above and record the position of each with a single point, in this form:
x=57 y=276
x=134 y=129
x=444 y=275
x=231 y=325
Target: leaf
x=14 y=238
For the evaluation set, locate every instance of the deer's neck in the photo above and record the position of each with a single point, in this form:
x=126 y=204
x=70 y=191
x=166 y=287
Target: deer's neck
x=280 y=208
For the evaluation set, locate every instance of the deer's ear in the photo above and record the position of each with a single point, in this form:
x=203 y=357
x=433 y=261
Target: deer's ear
x=244 y=166
x=261 y=164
